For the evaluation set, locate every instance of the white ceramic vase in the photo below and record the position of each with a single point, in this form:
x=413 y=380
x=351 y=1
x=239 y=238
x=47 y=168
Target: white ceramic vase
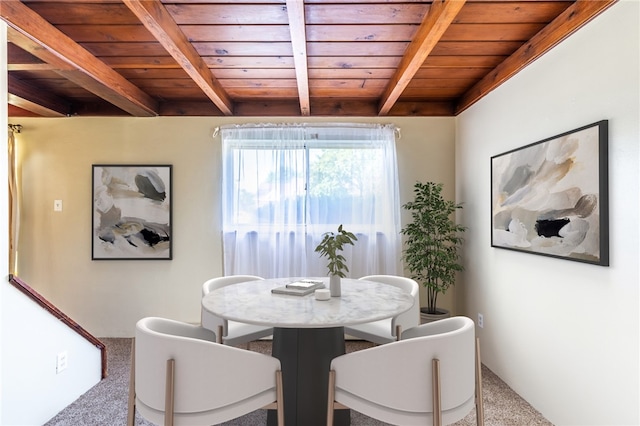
x=334 y=285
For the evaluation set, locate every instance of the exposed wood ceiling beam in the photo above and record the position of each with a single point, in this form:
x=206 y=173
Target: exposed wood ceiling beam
x=157 y=19
x=31 y=99
x=572 y=19
x=295 y=10
x=72 y=61
x=434 y=24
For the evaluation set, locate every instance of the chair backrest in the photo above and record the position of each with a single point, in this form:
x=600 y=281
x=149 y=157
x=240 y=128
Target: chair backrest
x=410 y=318
x=393 y=382
x=209 y=320
x=213 y=383
x=220 y=282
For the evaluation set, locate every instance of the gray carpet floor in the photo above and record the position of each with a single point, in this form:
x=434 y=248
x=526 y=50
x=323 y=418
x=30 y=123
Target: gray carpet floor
x=106 y=403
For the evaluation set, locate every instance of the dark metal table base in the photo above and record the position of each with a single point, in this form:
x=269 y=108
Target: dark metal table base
x=305 y=355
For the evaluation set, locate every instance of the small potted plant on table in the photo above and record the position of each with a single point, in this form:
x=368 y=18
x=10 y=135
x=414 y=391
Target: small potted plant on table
x=331 y=247
x=432 y=243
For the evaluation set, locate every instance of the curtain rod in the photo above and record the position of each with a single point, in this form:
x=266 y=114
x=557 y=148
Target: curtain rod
x=15 y=128
x=216 y=131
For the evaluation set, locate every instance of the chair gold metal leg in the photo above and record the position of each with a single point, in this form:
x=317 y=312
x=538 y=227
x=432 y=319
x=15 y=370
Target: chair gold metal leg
x=331 y=397
x=169 y=392
x=398 y=332
x=131 y=411
x=437 y=400
x=280 y=398
x=479 y=398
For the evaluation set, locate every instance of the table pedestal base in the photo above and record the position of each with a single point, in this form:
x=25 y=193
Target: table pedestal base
x=305 y=355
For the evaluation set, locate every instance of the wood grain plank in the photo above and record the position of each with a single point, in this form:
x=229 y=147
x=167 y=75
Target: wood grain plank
x=333 y=33
x=349 y=84
x=189 y=108
x=228 y=14
x=431 y=93
x=249 y=62
x=268 y=108
x=254 y=73
x=349 y=62
x=259 y=83
x=344 y=73
x=460 y=72
x=129 y=62
x=447 y=82
x=491 y=32
x=344 y=107
x=476 y=48
x=419 y=109
x=103 y=50
x=369 y=48
x=232 y=48
x=462 y=61
x=346 y=93
x=249 y=33
x=266 y=92
x=511 y=12
x=380 y=13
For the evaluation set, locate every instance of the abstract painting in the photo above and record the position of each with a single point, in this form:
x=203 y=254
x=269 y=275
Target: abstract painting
x=551 y=197
x=131 y=213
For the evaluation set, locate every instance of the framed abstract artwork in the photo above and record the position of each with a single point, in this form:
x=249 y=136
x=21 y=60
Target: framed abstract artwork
x=551 y=197
x=131 y=213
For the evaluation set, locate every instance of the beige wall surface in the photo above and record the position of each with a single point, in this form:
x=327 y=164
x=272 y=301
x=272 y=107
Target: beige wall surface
x=107 y=297
x=564 y=335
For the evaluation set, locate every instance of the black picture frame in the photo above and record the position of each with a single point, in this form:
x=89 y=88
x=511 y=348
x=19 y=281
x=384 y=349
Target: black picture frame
x=131 y=213
x=551 y=197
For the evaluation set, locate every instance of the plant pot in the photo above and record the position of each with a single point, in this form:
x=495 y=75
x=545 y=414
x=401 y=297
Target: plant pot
x=426 y=317
x=334 y=285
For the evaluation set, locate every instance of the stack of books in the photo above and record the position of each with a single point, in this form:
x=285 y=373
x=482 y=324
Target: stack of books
x=299 y=287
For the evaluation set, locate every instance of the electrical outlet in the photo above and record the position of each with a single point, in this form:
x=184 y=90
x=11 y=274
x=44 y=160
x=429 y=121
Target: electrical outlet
x=480 y=320
x=61 y=362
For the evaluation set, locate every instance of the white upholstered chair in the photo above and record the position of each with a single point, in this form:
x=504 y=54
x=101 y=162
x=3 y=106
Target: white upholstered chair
x=431 y=376
x=231 y=333
x=181 y=376
x=390 y=329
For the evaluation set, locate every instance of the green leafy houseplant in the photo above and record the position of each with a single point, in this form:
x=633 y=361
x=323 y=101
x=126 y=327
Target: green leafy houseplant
x=432 y=241
x=331 y=247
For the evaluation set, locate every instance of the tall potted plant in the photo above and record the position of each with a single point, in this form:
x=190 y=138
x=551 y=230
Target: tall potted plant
x=432 y=243
x=331 y=247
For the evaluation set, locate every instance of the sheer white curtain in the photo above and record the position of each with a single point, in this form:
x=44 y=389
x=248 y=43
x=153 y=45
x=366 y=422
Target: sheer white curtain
x=14 y=199
x=284 y=186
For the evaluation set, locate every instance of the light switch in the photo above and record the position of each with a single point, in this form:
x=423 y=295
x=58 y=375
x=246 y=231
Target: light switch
x=57 y=205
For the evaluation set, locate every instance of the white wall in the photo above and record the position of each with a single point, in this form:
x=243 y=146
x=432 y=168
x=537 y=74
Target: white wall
x=108 y=297
x=4 y=240
x=564 y=335
x=32 y=390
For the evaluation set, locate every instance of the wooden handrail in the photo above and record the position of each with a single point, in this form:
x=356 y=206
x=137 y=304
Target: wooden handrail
x=40 y=300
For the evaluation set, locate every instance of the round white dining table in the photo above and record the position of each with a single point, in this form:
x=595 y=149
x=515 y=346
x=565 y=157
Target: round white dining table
x=308 y=333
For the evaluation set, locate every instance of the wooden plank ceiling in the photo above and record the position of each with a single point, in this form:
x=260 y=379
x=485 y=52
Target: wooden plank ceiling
x=274 y=57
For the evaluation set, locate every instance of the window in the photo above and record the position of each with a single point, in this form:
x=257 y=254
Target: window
x=285 y=186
